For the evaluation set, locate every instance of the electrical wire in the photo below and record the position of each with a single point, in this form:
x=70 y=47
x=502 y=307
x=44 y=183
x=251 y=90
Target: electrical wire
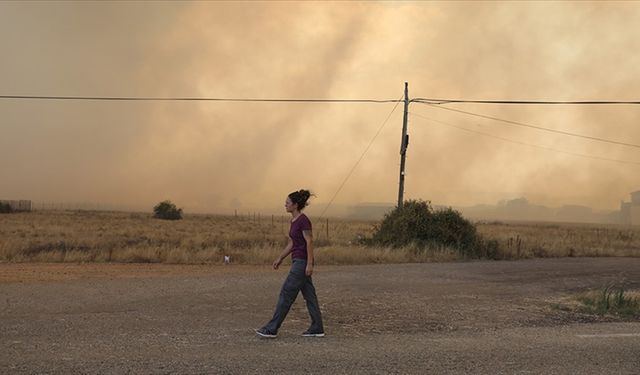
x=523 y=143
x=360 y=158
x=201 y=99
x=540 y=102
x=534 y=126
x=416 y=100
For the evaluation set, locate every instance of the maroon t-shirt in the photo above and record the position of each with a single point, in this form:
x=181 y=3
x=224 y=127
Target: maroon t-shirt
x=299 y=250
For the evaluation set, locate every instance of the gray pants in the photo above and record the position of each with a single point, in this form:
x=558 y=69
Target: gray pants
x=297 y=281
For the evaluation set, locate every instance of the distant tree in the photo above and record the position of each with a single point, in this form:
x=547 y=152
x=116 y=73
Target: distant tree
x=166 y=210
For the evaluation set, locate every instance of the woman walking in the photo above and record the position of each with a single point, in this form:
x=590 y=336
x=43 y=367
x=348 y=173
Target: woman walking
x=300 y=247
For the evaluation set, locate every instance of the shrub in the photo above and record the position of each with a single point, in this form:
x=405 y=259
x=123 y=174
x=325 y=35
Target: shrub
x=167 y=211
x=416 y=223
x=5 y=208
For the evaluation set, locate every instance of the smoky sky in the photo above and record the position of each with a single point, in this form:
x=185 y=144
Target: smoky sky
x=217 y=157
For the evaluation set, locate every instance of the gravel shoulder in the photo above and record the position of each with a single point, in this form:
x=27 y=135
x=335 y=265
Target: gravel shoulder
x=466 y=317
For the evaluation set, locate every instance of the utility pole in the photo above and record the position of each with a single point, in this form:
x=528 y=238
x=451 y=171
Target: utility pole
x=404 y=142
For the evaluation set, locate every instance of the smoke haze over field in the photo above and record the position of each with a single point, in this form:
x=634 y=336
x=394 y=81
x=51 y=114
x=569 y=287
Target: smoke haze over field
x=214 y=156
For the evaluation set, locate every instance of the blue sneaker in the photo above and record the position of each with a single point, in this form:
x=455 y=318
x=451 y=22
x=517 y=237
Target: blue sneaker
x=263 y=332
x=309 y=333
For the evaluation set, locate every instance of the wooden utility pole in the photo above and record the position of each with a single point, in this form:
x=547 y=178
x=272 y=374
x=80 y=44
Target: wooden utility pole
x=404 y=142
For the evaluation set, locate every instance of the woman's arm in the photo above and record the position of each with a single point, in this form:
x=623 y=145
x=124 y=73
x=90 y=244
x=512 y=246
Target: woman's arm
x=285 y=252
x=308 y=236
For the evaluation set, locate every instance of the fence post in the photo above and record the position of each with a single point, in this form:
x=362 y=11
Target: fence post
x=327 y=229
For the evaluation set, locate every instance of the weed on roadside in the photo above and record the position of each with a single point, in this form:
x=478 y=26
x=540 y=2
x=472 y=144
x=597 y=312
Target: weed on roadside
x=610 y=299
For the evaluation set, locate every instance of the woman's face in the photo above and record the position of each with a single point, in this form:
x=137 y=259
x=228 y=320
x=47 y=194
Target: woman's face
x=289 y=205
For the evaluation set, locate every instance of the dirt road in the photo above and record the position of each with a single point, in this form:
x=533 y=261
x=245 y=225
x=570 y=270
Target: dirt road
x=474 y=317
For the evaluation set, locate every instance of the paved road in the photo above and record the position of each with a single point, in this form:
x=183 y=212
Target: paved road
x=475 y=317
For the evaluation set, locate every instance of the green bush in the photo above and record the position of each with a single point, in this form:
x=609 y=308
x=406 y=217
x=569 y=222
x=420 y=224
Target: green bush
x=418 y=224
x=5 y=208
x=167 y=211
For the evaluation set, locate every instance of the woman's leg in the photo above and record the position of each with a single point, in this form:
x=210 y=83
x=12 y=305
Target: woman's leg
x=292 y=285
x=309 y=294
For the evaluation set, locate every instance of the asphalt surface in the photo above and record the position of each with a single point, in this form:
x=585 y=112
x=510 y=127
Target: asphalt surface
x=473 y=317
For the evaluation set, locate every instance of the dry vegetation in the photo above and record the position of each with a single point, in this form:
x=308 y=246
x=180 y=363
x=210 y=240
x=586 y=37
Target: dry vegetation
x=87 y=236
x=536 y=240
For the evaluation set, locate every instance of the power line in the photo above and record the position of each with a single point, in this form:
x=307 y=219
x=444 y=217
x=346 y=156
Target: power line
x=313 y=100
x=199 y=99
x=524 y=143
x=534 y=126
x=524 y=102
x=361 y=157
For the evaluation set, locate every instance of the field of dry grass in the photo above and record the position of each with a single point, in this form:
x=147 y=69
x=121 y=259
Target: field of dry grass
x=89 y=236
x=536 y=240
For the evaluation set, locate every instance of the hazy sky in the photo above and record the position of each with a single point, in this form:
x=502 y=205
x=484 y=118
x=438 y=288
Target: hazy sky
x=208 y=156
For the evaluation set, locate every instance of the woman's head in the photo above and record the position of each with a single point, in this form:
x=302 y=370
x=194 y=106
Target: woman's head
x=297 y=200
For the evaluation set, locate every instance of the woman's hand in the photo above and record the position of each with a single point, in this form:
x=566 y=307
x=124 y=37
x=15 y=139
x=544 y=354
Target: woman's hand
x=309 y=269
x=277 y=263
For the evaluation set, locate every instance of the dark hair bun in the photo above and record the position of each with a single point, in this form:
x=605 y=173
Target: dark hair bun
x=300 y=198
x=306 y=194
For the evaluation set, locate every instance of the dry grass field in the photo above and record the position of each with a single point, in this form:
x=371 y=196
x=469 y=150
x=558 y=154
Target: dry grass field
x=91 y=236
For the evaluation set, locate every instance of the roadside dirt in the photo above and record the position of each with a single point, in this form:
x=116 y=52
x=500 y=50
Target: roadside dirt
x=482 y=317
x=42 y=272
